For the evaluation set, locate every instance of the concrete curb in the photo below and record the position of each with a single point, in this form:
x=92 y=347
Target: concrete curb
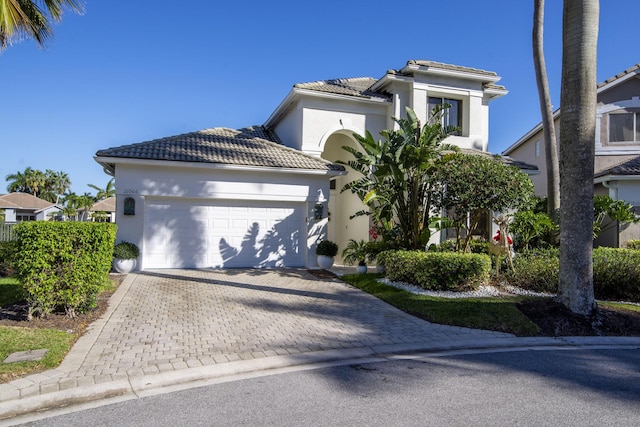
x=154 y=384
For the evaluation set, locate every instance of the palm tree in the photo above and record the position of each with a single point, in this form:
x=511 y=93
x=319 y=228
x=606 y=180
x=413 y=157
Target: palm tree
x=104 y=193
x=548 y=125
x=19 y=18
x=57 y=184
x=17 y=182
x=577 y=152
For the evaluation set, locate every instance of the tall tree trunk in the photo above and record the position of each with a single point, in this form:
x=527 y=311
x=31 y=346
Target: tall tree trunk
x=577 y=147
x=548 y=125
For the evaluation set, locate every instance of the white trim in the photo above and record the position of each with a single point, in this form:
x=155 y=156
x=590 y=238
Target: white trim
x=604 y=178
x=297 y=93
x=202 y=165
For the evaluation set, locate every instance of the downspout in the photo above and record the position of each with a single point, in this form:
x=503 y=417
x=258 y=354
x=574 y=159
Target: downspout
x=613 y=188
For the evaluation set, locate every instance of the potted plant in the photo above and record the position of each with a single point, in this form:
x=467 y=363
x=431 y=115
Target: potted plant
x=326 y=250
x=125 y=255
x=356 y=252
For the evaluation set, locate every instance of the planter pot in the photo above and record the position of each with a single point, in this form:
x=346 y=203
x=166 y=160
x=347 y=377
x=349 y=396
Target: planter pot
x=124 y=265
x=325 y=261
x=380 y=268
x=361 y=269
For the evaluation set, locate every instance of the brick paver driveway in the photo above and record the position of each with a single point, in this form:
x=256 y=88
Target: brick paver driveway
x=174 y=319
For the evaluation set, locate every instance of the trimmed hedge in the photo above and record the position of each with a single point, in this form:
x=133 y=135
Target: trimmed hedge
x=62 y=265
x=633 y=244
x=616 y=272
x=536 y=270
x=437 y=270
x=475 y=246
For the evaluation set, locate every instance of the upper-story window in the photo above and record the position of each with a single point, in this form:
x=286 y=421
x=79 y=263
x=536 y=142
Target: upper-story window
x=453 y=115
x=624 y=127
x=538 y=148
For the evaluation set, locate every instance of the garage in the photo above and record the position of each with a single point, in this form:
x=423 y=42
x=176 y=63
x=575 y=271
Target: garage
x=220 y=198
x=223 y=234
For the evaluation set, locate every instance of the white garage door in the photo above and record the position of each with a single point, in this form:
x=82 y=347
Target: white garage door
x=223 y=234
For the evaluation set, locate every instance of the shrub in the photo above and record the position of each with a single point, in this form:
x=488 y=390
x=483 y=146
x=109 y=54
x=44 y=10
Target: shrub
x=126 y=250
x=475 y=246
x=616 y=274
x=529 y=228
x=327 y=248
x=536 y=270
x=437 y=270
x=8 y=251
x=633 y=244
x=63 y=264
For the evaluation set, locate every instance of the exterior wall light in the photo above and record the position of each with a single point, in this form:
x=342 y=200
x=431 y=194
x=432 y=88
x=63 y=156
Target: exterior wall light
x=318 y=211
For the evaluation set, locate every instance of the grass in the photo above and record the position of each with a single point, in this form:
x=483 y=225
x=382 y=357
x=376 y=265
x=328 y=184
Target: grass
x=617 y=305
x=14 y=339
x=496 y=314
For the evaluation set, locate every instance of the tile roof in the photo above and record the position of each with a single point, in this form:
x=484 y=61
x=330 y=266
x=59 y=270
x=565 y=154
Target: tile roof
x=106 y=205
x=357 y=86
x=251 y=146
x=630 y=70
x=23 y=201
x=630 y=167
x=450 y=67
x=503 y=159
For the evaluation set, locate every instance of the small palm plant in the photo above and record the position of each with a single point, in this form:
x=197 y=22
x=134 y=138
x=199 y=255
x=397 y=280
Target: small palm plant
x=355 y=252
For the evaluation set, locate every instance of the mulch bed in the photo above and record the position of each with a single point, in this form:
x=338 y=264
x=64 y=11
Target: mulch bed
x=554 y=319
x=16 y=314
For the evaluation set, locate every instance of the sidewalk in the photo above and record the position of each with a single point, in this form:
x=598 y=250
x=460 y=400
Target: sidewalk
x=180 y=328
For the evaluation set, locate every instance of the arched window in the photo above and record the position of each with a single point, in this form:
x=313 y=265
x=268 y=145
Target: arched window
x=129 y=206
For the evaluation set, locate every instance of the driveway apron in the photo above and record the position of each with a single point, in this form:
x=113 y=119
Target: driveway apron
x=174 y=321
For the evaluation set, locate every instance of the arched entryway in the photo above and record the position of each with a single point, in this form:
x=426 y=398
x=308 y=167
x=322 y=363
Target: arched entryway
x=343 y=205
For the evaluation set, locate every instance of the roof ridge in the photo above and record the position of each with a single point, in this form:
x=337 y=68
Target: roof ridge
x=619 y=75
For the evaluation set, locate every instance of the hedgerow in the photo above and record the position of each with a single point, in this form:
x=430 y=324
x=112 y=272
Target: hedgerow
x=616 y=272
x=63 y=264
x=437 y=270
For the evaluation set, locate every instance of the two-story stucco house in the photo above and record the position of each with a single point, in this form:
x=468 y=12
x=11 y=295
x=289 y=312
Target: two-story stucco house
x=264 y=195
x=617 y=148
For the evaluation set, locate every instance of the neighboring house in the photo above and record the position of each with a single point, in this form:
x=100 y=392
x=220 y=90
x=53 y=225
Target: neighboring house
x=101 y=211
x=263 y=196
x=20 y=207
x=617 y=148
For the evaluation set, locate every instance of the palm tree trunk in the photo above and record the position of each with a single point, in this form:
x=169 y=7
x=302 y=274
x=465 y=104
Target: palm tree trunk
x=577 y=148
x=546 y=110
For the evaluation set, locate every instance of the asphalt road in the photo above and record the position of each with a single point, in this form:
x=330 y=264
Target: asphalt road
x=525 y=388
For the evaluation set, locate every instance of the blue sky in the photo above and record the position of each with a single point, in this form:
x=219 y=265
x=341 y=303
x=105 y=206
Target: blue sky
x=131 y=71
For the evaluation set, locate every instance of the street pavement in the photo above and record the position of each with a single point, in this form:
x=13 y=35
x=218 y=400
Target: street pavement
x=181 y=328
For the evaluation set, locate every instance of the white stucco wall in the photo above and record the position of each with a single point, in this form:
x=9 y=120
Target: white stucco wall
x=194 y=183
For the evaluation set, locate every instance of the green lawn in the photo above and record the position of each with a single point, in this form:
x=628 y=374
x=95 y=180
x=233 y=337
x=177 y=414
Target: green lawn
x=496 y=314
x=13 y=339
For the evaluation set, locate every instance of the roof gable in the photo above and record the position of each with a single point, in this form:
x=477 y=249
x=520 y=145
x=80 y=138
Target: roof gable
x=251 y=146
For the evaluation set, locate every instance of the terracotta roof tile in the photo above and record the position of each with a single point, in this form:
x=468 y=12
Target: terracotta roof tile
x=251 y=146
